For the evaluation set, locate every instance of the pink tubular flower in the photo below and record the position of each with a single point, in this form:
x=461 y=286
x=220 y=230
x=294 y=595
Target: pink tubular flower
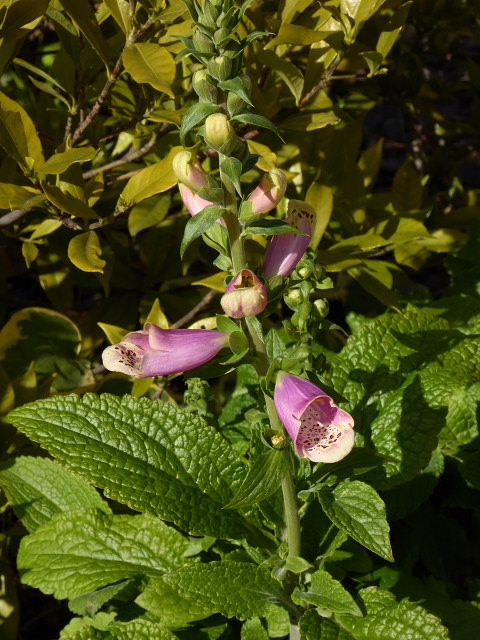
x=244 y=296
x=193 y=202
x=188 y=171
x=161 y=352
x=320 y=430
x=269 y=192
x=285 y=251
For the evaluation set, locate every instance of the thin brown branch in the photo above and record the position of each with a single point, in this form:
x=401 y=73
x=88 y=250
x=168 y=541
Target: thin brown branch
x=105 y=92
x=12 y=217
x=130 y=156
x=207 y=298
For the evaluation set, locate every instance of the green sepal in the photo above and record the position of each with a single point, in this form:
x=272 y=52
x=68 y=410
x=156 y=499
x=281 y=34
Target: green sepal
x=197 y=112
x=271 y=228
x=235 y=85
x=226 y=324
x=232 y=168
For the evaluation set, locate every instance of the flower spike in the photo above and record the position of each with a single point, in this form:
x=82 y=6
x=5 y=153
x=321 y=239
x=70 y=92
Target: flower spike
x=161 y=352
x=320 y=430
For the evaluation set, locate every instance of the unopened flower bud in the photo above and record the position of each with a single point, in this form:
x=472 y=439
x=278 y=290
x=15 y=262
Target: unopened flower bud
x=218 y=131
x=220 y=67
x=211 y=12
x=220 y=35
x=204 y=86
x=322 y=307
x=187 y=172
x=202 y=42
x=304 y=272
x=293 y=298
x=269 y=192
x=244 y=296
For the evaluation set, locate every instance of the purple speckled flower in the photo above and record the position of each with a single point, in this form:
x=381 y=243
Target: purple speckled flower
x=320 y=430
x=161 y=352
x=285 y=251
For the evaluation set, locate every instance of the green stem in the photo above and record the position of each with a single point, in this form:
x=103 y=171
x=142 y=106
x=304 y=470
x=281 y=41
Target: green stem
x=231 y=220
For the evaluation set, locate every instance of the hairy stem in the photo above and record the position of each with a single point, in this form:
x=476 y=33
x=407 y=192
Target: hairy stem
x=231 y=220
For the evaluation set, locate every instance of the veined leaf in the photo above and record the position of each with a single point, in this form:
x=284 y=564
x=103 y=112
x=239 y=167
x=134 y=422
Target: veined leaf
x=84 y=16
x=18 y=135
x=151 y=456
x=327 y=593
x=80 y=551
x=120 y=13
x=199 y=224
x=316 y=627
x=60 y=162
x=151 y=63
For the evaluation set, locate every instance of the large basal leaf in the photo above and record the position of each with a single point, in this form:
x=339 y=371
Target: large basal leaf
x=133 y=630
x=151 y=456
x=387 y=619
x=80 y=551
x=315 y=627
x=357 y=509
x=239 y=589
x=163 y=601
x=39 y=488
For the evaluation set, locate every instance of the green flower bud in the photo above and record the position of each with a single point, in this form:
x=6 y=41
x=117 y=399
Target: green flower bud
x=204 y=87
x=219 y=132
x=220 y=35
x=293 y=298
x=188 y=171
x=220 y=67
x=202 y=42
x=210 y=12
x=322 y=307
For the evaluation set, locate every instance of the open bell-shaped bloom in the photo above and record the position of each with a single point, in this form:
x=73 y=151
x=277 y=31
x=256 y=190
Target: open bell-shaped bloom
x=161 y=352
x=244 y=296
x=285 y=251
x=269 y=192
x=320 y=430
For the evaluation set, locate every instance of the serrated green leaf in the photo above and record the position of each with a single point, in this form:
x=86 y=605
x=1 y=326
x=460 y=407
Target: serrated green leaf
x=196 y=114
x=264 y=478
x=151 y=63
x=60 y=162
x=173 y=610
x=156 y=178
x=253 y=630
x=271 y=228
x=315 y=627
x=388 y=620
x=85 y=251
x=199 y=224
x=84 y=16
x=79 y=551
x=179 y=468
x=137 y=629
x=357 y=509
x=18 y=135
x=239 y=589
x=327 y=593
x=90 y=603
x=39 y=488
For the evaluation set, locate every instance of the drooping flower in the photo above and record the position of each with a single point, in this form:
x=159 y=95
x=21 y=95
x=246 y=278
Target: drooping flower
x=161 y=352
x=244 y=296
x=285 y=251
x=269 y=192
x=320 y=430
x=193 y=202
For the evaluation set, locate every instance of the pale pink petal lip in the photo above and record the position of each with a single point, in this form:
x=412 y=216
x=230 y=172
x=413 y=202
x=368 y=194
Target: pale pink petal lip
x=320 y=430
x=244 y=296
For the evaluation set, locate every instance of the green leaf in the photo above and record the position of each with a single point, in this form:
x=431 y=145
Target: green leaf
x=173 y=610
x=232 y=168
x=253 y=630
x=14 y=196
x=315 y=627
x=388 y=620
x=357 y=509
x=7 y=394
x=327 y=593
x=247 y=117
x=120 y=13
x=68 y=203
x=18 y=135
x=196 y=114
x=264 y=478
x=151 y=63
x=199 y=224
x=39 y=488
x=297 y=35
x=156 y=178
x=360 y=10
x=407 y=189
x=271 y=228
x=89 y=603
x=60 y=162
x=239 y=589
x=178 y=467
x=148 y=214
x=391 y=30
x=320 y=197
x=311 y=121
x=290 y=74
x=80 y=551
x=235 y=85
x=137 y=629
x=84 y=251
x=84 y=16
